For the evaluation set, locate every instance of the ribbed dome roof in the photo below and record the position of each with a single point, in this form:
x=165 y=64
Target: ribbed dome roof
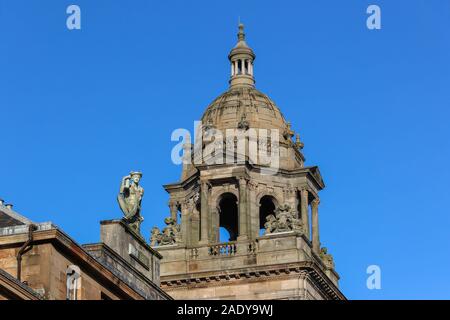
x=244 y=106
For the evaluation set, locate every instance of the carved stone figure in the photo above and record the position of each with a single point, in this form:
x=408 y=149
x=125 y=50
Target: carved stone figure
x=283 y=221
x=243 y=123
x=130 y=198
x=155 y=236
x=327 y=258
x=270 y=224
x=169 y=235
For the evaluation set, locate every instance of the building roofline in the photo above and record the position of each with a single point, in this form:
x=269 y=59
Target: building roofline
x=63 y=242
x=17 y=288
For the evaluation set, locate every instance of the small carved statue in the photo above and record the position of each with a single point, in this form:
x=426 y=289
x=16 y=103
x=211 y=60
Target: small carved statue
x=130 y=198
x=270 y=224
x=155 y=236
x=326 y=258
x=169 y=235
x=283 y=221
x=243 y=123
x=283 y=216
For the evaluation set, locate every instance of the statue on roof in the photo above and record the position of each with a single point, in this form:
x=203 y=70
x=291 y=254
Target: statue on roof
x=130 y=198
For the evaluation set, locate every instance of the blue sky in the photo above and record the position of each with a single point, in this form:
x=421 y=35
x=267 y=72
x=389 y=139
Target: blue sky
x=80 y=109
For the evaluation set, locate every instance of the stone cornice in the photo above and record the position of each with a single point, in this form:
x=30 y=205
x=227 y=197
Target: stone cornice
x=303 y=269
x=312 y=173
x=182 y=185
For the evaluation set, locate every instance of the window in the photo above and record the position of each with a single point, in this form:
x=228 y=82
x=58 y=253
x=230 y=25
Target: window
x=266 y=208
x=228 y=216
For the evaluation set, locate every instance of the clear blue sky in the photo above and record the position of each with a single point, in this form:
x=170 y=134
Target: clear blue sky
x=80 y=109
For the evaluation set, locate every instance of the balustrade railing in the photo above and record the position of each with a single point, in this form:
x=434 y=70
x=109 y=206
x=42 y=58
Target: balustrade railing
x=230 y=248
x=223 y=249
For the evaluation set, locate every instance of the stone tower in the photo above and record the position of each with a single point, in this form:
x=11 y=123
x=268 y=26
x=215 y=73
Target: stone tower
x=269 y=210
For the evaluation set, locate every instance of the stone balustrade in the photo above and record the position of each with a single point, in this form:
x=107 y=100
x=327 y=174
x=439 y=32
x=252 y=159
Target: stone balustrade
x=222 y=249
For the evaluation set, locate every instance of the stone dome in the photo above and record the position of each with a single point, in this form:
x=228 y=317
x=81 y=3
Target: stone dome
x=244 y=106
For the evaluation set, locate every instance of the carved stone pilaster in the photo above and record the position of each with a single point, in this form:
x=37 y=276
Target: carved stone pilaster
x=204 y=212
x=315 y=224
x=304 y=210
x=242 y=207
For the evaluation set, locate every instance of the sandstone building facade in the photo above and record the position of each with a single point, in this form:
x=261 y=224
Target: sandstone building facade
x=39 y=261
x=271 y=217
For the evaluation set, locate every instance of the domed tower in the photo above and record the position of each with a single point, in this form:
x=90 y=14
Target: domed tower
x=244 y=217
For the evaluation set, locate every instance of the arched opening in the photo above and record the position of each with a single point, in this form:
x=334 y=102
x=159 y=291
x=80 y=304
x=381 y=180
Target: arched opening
x=228 y=216
x=178 y=214
x=266 y=207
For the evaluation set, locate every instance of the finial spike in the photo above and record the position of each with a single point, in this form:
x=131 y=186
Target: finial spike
x=241 y=34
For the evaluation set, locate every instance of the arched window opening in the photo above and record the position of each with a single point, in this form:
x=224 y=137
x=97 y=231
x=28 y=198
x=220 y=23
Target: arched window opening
x=239 y=67
x=266 y=208
x=228 y=216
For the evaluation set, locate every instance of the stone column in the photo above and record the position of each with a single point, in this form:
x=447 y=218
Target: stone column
x=232 y=69
x=185 y=222
x=315 y=225
x=250 y=67
x=242 y=208
x=252 y=210
x=173 y=211
x=214 y=236
x=194 y=228
x=204 y=213
x=304 y=213
x=243 y=65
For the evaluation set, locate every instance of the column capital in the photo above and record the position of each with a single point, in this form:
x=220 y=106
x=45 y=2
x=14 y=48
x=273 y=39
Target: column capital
x=315 y=202
x=289 y=190
x=242 y=180
x=184 y=205
x=252 y=185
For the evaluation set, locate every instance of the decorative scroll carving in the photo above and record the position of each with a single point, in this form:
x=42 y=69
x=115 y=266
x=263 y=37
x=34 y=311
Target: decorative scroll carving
x=283 y=220
x=169 y=235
